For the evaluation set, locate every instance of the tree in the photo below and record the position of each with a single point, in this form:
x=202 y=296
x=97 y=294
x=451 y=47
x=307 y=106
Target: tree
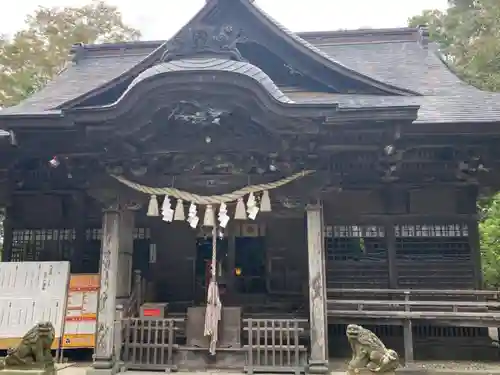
x=469 y=36
x=490 y=240
x=39 y=51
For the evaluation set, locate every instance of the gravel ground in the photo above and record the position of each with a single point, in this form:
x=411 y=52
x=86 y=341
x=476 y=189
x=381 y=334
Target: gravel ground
x=338 y=365
x=459 y=365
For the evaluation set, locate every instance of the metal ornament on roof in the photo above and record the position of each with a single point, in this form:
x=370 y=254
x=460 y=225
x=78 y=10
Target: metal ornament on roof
x=258 y=200
x=205 y=40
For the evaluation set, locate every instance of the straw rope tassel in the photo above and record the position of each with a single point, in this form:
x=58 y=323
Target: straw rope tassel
x=153 y=209
x=179 y=214
x=214 y=305
x=209 y=219
x=265 y=202
x=240 y=213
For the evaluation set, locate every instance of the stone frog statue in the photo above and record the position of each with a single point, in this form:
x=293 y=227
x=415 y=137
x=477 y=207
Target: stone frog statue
x=34 y=350
x=368 y=352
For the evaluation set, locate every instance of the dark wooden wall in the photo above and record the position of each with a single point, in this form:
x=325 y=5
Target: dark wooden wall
x=286 y=247
x=417 y=238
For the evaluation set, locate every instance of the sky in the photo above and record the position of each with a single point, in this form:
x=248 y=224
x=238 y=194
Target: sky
x=160 y=19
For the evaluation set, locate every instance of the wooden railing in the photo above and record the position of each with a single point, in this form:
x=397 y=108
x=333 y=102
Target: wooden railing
x=149 y=344
x=470 y=305
x=136 y=299
x=274 y=345
x=418 y=292
x=473 y=308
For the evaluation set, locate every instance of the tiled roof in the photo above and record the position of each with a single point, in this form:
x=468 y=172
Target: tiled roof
x=392 y=56
x=211 y=65
x=93 y=70
x=433 y=109
x=402 y=63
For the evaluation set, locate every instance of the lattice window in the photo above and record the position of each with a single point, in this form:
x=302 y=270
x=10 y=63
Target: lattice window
x=42 y=244
x=353 y=242
x=450 y=230
x=356 y=256
x=354 y=231
x=95 y=234
x=434 y=256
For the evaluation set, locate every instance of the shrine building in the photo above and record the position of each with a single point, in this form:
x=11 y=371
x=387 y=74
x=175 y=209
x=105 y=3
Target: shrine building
x=308 y=180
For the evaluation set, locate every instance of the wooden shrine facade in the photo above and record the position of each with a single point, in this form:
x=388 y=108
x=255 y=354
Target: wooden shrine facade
x=399 y=147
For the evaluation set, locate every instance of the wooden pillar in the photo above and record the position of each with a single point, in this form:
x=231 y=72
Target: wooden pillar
x=318 y=361
x=467 y=203
x=231 y=259
x=79 y=219
x=390 y=237
x=408 y=342
x=125 y=255
x=7 y=235
x=389 y=197
x=475 y=248
x=113 y=238
x=408 y=335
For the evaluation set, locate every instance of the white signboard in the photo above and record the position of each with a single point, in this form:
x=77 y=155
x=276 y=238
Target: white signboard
x=31 y=292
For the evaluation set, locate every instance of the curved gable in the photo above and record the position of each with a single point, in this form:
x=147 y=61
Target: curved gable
x=301 y=57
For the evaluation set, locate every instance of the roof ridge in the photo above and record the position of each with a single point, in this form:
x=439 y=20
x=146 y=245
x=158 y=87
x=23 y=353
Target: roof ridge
x=361 y=31
x=125 y=44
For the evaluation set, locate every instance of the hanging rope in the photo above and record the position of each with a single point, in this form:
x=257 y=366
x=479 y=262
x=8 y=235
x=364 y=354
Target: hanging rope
x=214 y=305
x=211 y=199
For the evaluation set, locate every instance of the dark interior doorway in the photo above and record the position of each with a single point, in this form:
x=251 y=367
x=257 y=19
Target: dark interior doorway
x=250 y=265
x=247 y=275
x=204 y=261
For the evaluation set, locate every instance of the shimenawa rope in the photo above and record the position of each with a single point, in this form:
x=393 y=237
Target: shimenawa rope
x=211 y=199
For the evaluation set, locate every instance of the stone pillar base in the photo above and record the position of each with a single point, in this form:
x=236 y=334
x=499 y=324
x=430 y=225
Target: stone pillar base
x=318 y=367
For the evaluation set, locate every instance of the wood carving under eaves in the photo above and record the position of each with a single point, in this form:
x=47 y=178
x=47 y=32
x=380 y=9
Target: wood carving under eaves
x=206 y=40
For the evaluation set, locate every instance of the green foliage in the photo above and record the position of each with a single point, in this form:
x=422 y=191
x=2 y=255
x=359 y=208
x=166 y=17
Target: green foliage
x=490 y=240
x=469 y=36
x=39 y=51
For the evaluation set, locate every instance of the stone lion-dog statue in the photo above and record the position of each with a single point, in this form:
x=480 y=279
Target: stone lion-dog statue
x=369 y=352
x=34 y=350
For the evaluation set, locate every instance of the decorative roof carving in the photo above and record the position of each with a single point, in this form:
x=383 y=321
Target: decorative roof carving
x=206 y=40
